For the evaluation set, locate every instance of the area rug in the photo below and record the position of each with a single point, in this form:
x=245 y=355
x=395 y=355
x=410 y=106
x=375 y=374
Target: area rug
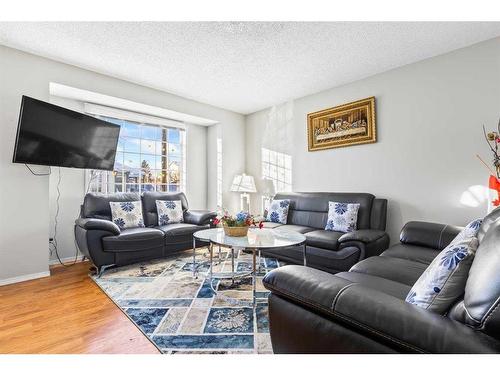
x=180 y=313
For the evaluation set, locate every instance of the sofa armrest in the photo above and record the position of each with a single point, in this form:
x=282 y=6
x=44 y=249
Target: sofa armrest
x=98 y=224
x=376 y=314
x=433 y=235
x=199 y=217
x=363 y=235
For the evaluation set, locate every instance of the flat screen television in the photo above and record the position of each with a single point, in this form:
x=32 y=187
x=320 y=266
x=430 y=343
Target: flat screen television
x=51 y=135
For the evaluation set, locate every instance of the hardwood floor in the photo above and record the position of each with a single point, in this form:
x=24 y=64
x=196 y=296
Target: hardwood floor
x=65 y=313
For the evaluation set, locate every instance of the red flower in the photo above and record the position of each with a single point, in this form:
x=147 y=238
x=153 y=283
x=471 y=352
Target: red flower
x=216 y=221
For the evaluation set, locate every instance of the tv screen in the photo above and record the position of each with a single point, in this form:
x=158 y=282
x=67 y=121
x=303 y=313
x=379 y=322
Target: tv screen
x=51 y=135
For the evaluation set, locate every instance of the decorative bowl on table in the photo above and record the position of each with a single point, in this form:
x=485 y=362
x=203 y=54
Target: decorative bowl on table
x=237 y=225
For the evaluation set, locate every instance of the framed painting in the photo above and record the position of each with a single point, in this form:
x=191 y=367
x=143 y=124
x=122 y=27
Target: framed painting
x=344 y=125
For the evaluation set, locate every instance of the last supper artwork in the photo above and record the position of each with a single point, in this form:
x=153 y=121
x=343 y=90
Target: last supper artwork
x=344 y=125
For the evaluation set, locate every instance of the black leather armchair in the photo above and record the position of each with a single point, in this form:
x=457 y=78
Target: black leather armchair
x=106 y=245
x=327 y=250
x=364 y=310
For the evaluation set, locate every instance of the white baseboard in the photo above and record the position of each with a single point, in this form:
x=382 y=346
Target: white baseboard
x=66 y=260
x=19 y=279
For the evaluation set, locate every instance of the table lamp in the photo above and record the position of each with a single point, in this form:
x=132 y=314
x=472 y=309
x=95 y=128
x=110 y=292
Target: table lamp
x=268 y=191
x=244 y=184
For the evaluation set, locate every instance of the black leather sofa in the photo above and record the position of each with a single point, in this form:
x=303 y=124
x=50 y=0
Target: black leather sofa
x=102 y=241
x=327 y=250
x=364 y=310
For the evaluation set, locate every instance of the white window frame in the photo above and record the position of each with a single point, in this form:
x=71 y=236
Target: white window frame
x=141 y=120
x=219 y=174
x=277 y=167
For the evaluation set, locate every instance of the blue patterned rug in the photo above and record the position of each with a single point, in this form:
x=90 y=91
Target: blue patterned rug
x=181 y=314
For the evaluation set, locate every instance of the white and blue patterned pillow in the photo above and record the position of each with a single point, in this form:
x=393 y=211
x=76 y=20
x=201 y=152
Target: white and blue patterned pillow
x=444 y=280
x=278 y=211
x=470 y=230
x=127 y=214
x=169 y=212
x=342 y=217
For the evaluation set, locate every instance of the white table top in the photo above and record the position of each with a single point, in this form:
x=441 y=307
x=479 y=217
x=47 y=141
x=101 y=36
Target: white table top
x=205 y=234
x=256 y=238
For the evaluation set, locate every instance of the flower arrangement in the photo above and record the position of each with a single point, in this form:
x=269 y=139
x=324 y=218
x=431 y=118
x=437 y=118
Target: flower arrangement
x=493 y=140
x=238 y=224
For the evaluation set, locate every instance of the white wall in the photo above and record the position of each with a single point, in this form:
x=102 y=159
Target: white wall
x=429 y=116
x=25 y=214
x=232 y=145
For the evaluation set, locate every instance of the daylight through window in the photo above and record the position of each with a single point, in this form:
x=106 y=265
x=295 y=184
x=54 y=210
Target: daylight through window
x=277 y=166
x=148 y=158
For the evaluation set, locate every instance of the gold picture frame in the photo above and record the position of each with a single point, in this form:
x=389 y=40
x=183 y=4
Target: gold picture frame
x=345 y=125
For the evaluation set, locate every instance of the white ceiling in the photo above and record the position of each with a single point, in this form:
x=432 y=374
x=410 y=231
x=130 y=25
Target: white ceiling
x=242 y=66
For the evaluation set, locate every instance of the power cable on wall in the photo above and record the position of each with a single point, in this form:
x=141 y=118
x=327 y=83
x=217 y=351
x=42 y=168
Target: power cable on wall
x=93 y=175
x=53 y=242
x=38 y=174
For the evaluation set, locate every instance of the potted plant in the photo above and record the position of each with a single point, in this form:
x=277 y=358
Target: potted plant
x=237 y=225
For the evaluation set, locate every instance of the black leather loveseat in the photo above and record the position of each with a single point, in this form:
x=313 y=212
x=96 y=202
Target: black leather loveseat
x=327 y=250
x=105 y=244
x=364 y=310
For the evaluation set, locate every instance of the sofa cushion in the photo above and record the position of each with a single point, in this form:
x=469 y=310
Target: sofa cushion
x=311 y=209
x=319 y=258
x=278 y=211
x=127 y=214
x=393 y=288
x=96 y=205
x=482 y=291
x=342 y=217
x=489 y=221
x=444 y=279
x=411 y=252
x=149 y=199
x=268 y=224
x=432 y=235
x=325 y=239
x=400 y=270
x=296 y=228
x=169 y=212
x=180 y=232
x=469 y=231
x=134 y=239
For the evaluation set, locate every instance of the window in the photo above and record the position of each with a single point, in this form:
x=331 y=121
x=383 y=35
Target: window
x=219 y=174
x=277 y=167
x=148 y=158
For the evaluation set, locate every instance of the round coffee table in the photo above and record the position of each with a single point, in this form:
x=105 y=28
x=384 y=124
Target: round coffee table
x=203 y=236
x=256 y=241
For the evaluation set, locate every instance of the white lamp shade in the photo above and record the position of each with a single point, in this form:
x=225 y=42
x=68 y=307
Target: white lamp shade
x=243 y=183
x=267 y=187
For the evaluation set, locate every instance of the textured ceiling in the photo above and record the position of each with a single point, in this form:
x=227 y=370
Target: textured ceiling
x=242 y=66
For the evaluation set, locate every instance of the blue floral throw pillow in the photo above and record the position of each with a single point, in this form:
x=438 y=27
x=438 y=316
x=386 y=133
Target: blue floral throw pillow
x=278 y=211
x=445 y=278
x=469 y=231
x=342 y=217
x=169 y=212
x=127 y=214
